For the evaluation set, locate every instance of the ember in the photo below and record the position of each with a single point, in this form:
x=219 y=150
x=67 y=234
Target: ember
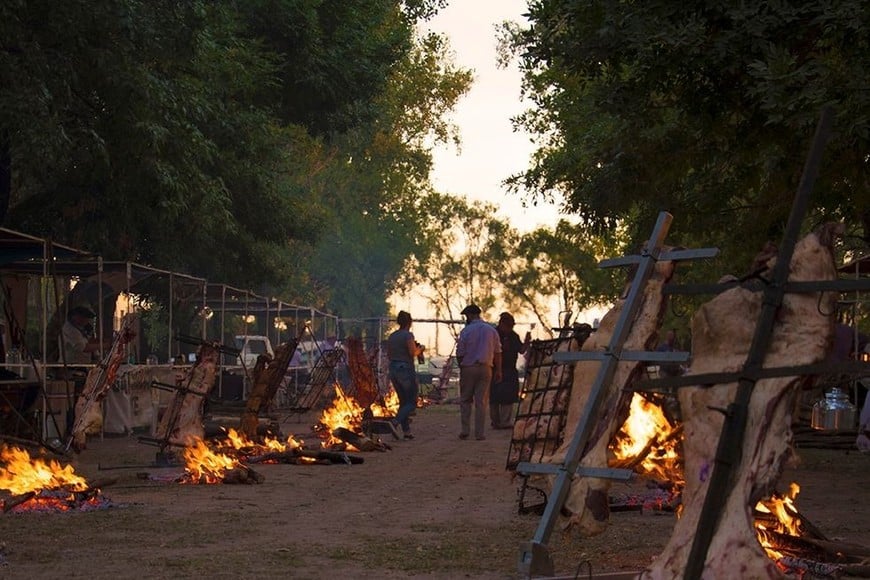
x=40 y=485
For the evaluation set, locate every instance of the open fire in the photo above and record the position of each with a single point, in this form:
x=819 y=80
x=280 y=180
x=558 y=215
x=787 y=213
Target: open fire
x=36 y=484
x=343 y=413
x=649 y=443
x=205 y=466
x=388 y=406
x=345 y=416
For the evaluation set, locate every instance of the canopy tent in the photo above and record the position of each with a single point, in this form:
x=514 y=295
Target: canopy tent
x=261 y=315
x=32 y=269
x=98 y=283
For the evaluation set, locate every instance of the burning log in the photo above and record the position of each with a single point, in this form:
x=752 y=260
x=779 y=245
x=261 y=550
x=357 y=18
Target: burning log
x=587 y=499
x=802 y=566
x=722 y=332
x=300 y=455
x=204 y=466
x=12 y=502
x=242 y=475
x=358 y=441
x=46 y=483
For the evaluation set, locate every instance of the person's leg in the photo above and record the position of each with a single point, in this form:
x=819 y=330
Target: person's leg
x=413 y=391
x=403 y=382
x=494 y=414
x=505 y=416
x=466 y=400
x=482 y=378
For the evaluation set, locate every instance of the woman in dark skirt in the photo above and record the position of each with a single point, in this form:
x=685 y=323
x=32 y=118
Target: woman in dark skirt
x=503 y=394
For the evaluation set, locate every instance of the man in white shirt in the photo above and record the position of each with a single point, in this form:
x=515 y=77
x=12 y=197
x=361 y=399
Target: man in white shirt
x=77 y=346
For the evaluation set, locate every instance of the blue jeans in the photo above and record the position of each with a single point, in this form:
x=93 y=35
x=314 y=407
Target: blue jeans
x=404 y=379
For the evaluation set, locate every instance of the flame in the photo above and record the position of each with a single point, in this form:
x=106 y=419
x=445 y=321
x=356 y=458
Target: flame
x=240 y=442
x=389 y=407
x=202 y=465
x=24 y=474
x=344 y=412
x=786 y=520
x=648 y=430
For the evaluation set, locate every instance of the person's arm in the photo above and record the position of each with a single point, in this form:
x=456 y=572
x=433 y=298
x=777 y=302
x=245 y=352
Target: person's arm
x=415 y=349
x=524 y=346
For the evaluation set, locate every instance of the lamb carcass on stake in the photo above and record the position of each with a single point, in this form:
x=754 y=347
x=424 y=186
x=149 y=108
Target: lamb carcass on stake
x=182 y=422
x=722 y=332
x=587 y=498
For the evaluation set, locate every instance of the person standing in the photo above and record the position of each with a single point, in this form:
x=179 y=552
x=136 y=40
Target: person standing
x=503 y=394
x=402 y=349
x=78 y=345
x=479 y=354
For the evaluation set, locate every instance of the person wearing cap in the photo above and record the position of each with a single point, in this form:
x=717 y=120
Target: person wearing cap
x=479 y=354
x=504 y=393
x=402 y=349
x=75 y=335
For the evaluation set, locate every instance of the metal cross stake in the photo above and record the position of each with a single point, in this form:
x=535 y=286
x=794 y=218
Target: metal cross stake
x=534 y=558
x=730 y=450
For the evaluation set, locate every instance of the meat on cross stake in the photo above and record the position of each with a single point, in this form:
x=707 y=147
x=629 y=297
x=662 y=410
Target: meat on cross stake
x=722 y=332
x=587 y=497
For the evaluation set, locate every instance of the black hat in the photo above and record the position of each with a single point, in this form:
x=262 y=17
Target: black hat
x=82 y=311
x=471 y=309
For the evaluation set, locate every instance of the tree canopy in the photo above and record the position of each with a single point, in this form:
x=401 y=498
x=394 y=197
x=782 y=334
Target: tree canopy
x=705 y=110
x=275 y=145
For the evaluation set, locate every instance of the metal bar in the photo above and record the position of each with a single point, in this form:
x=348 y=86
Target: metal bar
x=537 y=547
x=171 y=300
x=552 y=469
x=672 y=256
x=841 y=285
x=627 y=355
x=729 y=453
x=847 y=367
x=679 y=255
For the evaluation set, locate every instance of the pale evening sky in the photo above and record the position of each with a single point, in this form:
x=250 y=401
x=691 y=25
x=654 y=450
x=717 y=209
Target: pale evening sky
x=491 y=150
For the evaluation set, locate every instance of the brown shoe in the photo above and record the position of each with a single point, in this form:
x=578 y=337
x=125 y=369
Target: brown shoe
x=480 y=438
x=463 y=435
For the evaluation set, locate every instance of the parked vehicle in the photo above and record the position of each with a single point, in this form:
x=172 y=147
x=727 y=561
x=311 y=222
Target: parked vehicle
x=252 y=346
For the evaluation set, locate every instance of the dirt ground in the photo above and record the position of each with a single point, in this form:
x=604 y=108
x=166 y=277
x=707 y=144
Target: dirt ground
x=435 y=507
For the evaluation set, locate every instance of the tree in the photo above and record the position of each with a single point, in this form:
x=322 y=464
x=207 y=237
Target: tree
x=227 y=139
x=378 y=191
x=132 y=134
x=563 y=262
x=704 y=110
x=470 y=249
